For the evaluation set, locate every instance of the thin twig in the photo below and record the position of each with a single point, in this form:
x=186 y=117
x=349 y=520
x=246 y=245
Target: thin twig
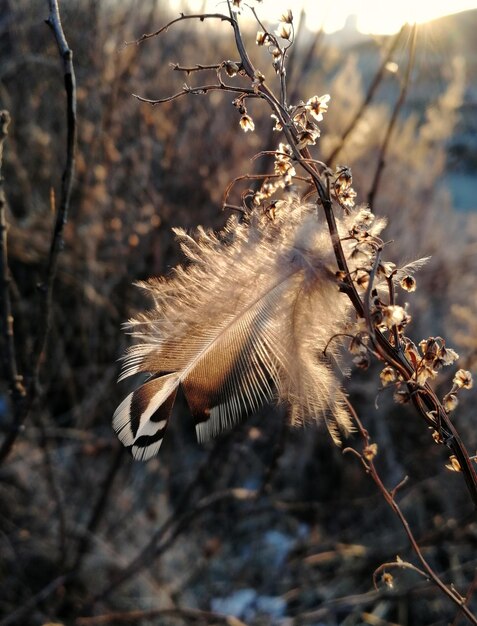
x=183 y=506
x=198 y=91
x=66 y=54
x=308 y=62
x=370 y=468
x=15 y=384
x=396 y=564
x=378 y=77
x=468 y=596
x=367 y=296
x=393 y=119
x=238 y=179
x=198 y=67
x=193 y=16
x=55 y=490
x=98 y=508
x=20 y=615
x=23 y=406
x=169 y=533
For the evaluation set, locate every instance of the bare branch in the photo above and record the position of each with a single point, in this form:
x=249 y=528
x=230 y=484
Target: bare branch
x=196 y=16
x=66 y=54
x=170 y=531
x=198 y=67
x=15 y=383
x=389 y=497
x=19 y=615
x=46 y=289
x=396 y=564
x=392 y=122
x=98 y=508
x=198 y=91
x=378 y=77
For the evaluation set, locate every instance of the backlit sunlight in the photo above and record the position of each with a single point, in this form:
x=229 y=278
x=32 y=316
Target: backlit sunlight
x=373 y=16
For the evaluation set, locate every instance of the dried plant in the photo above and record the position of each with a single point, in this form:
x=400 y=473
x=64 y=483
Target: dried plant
x=252 y=316
x=87 y=535
x=357 y=251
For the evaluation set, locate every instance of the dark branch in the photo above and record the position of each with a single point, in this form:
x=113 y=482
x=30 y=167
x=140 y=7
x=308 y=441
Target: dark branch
x=197 y=16
x=389 y=497
x=198 y=91
x=15 y=384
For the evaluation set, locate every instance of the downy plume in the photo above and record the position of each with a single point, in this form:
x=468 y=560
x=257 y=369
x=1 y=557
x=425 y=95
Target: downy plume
x=244 y=322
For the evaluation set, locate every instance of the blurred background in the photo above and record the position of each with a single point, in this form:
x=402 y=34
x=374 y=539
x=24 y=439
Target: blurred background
x=266 y=525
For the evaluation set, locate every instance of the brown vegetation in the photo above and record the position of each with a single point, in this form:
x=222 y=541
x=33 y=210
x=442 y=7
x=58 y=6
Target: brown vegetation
x=89 y=536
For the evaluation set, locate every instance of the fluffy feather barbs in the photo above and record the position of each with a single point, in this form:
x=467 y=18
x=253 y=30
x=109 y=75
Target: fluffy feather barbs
x=243 y=323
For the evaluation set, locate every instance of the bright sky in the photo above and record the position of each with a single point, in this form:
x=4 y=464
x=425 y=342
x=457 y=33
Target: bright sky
x=374 y=16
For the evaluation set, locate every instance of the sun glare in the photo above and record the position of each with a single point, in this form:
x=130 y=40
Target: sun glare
x=377 y=17
x=373 y=16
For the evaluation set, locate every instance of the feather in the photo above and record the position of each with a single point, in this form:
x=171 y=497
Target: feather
x=411 y=268
x=243 y=323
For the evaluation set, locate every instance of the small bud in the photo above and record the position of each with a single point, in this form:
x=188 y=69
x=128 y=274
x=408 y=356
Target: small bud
x=370 y=451
x=287 y=17
x=437 y=437
x=284 y=150
x=448 y=356
x=261 y=38
x=454 y=465
x=362 y=279
x=299 y=117
x=393 y=315
x=424 y=373
x=411 y=352
x=258 y=79
x=283 y=167
x=358 y=344
x=231 y=68
x=246 y=123
x=388 y=580
x=386 y=269
x=278 y=125
x=429 y=348
x=343 y=176
x=450 y=402
x=347 y=197
x=388 y=375
x=284 y=31
x=463 y=379
x=277 y=66
x=307 y=138
x=408 y=283
x=317 y=106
